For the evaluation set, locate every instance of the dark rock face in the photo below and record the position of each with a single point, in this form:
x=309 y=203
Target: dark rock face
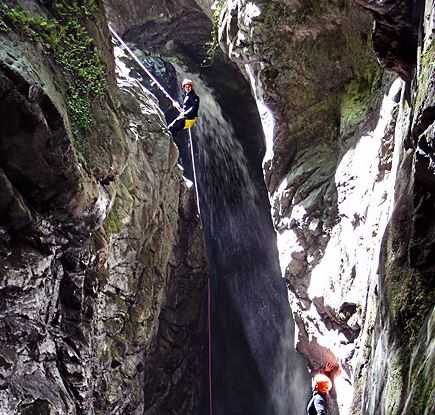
x=88 y=229
x=330 y=165
x=251 y=324
x=318 y=98
x=50 y=206
x=297 y=55
x=395 y=33
x=177 y=360
x=400 y=351
x=187 y=24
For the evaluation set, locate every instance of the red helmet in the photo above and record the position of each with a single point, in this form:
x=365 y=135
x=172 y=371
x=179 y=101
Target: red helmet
x=322 y=383
x=187 y=82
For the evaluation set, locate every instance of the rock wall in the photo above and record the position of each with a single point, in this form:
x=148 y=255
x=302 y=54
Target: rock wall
x=399 y=348
x=318 y=98
x=248 y=297
x=342 y=164
x=102 y=271
x=89 y=203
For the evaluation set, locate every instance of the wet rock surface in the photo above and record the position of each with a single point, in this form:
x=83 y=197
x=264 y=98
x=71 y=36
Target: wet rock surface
x=88 y=233
x=177 y=360
x=336 y=151
x=395 y=33
x=317 y=101
x=399 y=349
x=228 y=147
x=102 y=268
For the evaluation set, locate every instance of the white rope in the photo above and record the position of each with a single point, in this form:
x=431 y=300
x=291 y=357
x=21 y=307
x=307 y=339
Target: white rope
x=196 y=194
x=208 y=284
x=194 y=172
x=142 y=66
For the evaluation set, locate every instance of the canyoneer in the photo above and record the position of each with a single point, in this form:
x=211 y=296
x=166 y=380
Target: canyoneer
x=318 y=403
x=189 y=110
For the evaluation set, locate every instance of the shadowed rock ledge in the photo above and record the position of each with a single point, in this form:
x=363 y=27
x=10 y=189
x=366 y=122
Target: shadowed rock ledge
x=90 y=198
x=102 y=266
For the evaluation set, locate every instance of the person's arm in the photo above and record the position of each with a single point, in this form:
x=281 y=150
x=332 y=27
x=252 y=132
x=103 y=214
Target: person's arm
x=176 y=105
x=193 y=109
x=320 y=405
x=310 y=403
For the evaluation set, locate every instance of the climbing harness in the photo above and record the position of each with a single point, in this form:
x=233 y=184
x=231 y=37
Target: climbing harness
x=189 y=123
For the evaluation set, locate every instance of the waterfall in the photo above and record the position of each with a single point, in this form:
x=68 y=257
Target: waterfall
x=252 y=346
x=255 y=369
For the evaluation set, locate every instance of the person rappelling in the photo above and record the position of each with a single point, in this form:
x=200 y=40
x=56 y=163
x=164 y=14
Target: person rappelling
x=188 y=112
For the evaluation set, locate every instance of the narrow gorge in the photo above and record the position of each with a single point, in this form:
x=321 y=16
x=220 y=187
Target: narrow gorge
x=312 y=248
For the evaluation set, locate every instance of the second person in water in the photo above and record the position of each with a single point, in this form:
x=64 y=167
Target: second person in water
x=189 y=110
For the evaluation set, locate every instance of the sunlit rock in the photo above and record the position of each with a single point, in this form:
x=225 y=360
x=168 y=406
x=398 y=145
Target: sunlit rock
x=90 y=191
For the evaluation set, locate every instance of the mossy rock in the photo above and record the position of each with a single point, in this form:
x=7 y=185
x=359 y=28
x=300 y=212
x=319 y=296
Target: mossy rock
x=65 y=36
x=361 y=92
x=426 y=76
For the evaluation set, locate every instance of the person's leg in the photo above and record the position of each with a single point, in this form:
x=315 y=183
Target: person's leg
x=176 y=126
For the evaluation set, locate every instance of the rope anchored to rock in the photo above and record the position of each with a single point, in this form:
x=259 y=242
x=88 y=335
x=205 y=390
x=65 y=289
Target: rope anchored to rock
x=188 y=127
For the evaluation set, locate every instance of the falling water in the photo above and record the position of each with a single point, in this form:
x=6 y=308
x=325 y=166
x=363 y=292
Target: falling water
x=227 y=192
x=252 y=333
x=253 y=362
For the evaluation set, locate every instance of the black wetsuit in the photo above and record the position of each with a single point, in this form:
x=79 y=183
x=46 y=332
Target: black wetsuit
x=317 y=405
x=190 y=111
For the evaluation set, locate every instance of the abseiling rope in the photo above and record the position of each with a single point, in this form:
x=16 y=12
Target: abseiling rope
x=142 y=66
x=208 y=285
x=197 y=202
x=194 y=174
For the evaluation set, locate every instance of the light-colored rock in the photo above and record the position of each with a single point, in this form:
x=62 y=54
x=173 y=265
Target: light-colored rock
x=89 y=226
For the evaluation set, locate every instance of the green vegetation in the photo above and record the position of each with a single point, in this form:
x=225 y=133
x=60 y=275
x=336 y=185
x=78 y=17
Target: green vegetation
x=113 y=224
x=213 y=44
x=65 y=36
x=427 y=66
x=395 y=384
x=122 y=206
x=410 y=299
x=361 y=90
x=279 y=13
x=424 y=390
x=355 y=104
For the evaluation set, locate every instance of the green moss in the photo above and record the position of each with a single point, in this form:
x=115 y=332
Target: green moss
x=213 y=44
x=395 y=384
x=279 y=13
x=367 y=74
x=275 y=13
x=427 y=65
x=410 y=299
x=422 y=377
x=113 y=222
x=424 y=391
x=65 y=36
x=354 y=105
x=122 y=206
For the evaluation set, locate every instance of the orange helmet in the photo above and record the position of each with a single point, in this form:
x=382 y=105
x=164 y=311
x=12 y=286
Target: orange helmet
x=322 y=383
x=187 y=82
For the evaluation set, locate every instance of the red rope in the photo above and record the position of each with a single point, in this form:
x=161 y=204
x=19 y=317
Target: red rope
x=209 y=347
